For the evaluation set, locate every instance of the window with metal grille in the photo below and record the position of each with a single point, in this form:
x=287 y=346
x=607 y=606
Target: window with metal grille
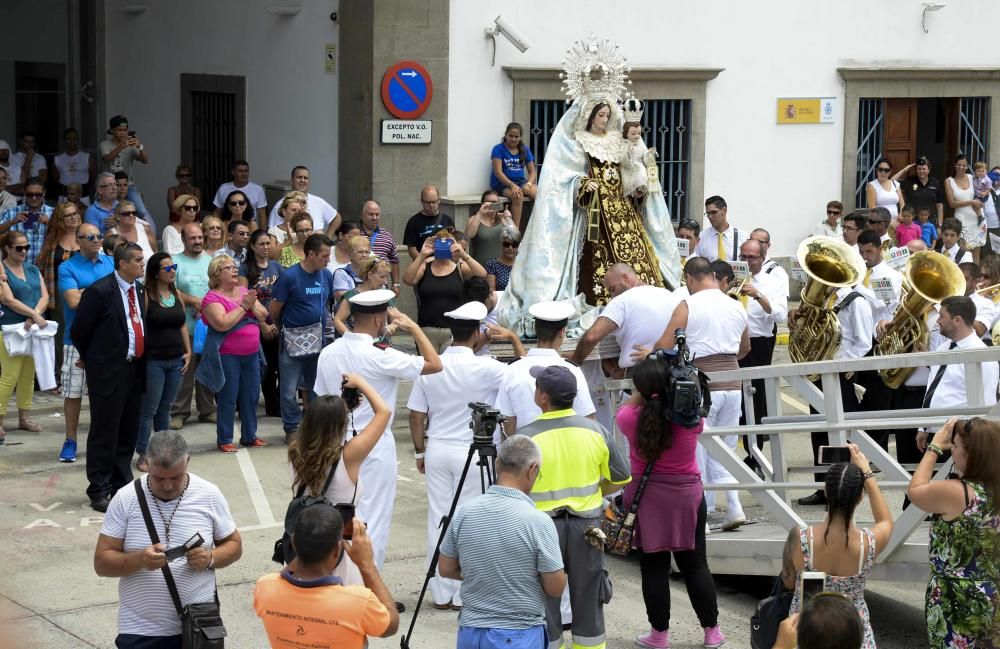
x=871 y=125
x=974 y=128
x=213 y=128
x=666 y=125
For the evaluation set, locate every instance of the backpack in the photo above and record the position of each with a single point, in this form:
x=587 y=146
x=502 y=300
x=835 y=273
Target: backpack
x=283 y=551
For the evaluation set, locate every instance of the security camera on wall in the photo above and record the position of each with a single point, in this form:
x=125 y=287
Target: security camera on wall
x=507 y=30
x=515 y=37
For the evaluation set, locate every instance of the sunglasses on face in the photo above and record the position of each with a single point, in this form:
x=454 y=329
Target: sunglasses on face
x=128 y=213
x=237 y=203
x=25 y=248
x=875 y=222
x=214 y=227
x=884 y=170
x=169 y=268
x=33 y=194
x=510 y=244
x=90 y=237
x=189 y=208
x=833 y=212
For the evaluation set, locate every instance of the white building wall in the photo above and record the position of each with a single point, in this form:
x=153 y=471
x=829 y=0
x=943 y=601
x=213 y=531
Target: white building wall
x=777 y=177
x=291 y=101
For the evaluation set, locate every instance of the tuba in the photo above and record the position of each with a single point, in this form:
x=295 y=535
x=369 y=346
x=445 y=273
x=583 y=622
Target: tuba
x=929 y=278
x=830 y=264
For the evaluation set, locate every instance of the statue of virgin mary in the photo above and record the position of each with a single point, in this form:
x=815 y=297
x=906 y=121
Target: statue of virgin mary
x=582 y=222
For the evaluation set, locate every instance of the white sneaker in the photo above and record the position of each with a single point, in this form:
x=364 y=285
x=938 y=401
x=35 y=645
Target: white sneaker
x=731 y=524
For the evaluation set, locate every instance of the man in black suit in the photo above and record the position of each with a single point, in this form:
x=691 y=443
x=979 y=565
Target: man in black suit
x=108 y=332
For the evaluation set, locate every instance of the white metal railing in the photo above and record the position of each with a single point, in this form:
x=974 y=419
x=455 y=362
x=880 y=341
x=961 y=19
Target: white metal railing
x=771 y=492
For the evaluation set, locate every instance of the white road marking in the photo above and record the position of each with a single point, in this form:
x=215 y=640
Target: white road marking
x=256 y=490
x=263 y=526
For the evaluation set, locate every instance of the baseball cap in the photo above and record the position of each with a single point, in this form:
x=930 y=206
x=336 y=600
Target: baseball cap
x=116 y=121
x=556 y=381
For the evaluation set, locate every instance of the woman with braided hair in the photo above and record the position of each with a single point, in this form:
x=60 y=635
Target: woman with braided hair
x=836 y=546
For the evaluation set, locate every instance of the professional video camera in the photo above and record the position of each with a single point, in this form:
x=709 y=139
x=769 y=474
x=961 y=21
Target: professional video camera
x=485 y=419
x=687 y=394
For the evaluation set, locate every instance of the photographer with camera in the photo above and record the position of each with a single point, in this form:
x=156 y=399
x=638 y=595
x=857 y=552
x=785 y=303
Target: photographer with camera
x=582 y=463
x=662 y=424
x=320 y=447
x=717 y=337
x=308 y=600
x=441 y=448
x=356 y=352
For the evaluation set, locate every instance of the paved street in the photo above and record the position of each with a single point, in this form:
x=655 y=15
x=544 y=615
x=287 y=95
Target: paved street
x=50 y=594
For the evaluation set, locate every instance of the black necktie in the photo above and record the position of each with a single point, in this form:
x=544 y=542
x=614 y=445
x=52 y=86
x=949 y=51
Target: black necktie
x=937 y=379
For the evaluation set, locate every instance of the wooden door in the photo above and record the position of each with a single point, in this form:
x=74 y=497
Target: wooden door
x=900 y=132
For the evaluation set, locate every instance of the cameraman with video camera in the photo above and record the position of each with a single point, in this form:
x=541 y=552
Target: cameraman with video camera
x=441 y=449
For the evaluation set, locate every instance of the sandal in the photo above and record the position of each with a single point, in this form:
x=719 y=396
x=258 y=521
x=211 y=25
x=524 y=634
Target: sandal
x=228 y=448
x=28 y=425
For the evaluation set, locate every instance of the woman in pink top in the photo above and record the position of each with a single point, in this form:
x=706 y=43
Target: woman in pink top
x=225 y=308
x=672 y=513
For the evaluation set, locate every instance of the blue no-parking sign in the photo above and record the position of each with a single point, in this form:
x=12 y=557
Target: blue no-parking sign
x=407 y=90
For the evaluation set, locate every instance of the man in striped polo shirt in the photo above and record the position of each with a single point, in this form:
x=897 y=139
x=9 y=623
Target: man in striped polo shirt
x=582 y=463
x=510 y=558
x=383 y=244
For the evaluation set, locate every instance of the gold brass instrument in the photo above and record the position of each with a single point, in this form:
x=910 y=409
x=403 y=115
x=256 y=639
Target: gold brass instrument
x=830 y=264
x=990 y=293
x=736 y=290
x=929 y=278
x=996 y=334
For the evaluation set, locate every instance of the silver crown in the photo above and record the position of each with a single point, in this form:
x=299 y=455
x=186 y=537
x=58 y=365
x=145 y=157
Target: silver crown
x=594 y=67
x=632 y=108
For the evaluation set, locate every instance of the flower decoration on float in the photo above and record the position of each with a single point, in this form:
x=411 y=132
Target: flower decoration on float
x=594 y=67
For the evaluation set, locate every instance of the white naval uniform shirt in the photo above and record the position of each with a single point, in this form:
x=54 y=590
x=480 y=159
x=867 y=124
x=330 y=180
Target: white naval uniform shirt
x=708 y=244
x=382 y=368
x=774 y=286
x=445 y=396
x=517 y=394
x=715 y=323
x=881 y=310
x=640 y=313
x=951 y=389
x=856 y=326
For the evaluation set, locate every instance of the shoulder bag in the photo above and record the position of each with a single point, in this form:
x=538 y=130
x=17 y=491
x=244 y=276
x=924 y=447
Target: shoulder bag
x=307 y=340
x=201 y=624
x=617 y=524
x=770 y=612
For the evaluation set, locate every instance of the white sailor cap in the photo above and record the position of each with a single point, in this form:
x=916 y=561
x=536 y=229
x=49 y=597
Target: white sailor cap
x=467 y=314
x=375 y=301
x=552 y=315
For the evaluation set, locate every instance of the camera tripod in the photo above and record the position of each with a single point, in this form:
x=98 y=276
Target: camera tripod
x=487 y=476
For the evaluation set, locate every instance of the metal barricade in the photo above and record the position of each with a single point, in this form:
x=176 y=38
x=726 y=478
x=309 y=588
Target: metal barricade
x=759 y=551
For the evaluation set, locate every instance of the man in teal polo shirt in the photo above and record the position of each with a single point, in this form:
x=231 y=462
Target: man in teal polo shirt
x=506 y=552
x=192 y=284
x=76 y=274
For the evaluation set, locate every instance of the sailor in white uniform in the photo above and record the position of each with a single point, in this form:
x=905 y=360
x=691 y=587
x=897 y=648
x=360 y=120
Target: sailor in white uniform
x=442 y=448
x=383 y=368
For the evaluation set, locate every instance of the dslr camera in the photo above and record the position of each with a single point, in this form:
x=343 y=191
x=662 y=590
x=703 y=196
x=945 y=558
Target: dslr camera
x=687 y=395
x=485 y=419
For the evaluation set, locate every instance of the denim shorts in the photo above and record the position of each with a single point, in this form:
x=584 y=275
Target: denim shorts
x=478 y=638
